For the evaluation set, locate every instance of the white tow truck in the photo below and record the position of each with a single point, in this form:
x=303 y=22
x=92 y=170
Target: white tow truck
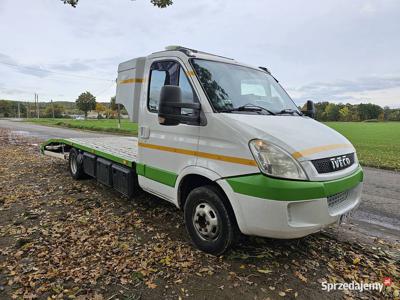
x=225 y=143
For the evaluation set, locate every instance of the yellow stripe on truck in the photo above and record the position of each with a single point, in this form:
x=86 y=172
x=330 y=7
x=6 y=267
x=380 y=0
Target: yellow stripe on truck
x=132 y=80
x=190 y=73
x=314 y=150
x=230 y=159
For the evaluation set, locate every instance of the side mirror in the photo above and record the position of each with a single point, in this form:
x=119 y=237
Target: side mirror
x=310 y=112
x=170 y=108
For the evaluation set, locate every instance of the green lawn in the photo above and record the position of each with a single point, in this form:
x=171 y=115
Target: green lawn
x=109 y=125
x=377 y=144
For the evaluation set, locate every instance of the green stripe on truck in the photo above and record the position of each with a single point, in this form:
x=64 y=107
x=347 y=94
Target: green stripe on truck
x=161 y=176
x=261 y=186
x=140 y=169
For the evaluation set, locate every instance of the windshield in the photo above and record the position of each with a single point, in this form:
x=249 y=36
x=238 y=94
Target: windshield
x=230 y=87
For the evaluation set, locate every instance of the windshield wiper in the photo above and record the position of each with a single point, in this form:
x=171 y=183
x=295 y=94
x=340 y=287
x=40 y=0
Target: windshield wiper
x=249 y=107
x=289 y=111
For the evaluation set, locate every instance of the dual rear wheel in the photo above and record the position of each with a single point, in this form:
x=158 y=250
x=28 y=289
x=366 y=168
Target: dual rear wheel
x=75 y=162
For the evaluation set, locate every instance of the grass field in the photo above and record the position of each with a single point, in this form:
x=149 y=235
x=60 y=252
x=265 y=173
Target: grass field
x=109 y=125
x=377 y=144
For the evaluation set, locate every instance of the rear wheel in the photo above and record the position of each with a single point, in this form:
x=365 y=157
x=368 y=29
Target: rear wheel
x=75 y=164
x=210 y=226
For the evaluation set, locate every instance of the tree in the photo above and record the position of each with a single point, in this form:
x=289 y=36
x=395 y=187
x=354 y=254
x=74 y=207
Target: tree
x=110 y=114
x=113 y=104
x=59 y=109
x=158 y=3
x=100 y=108
x=354 y=114
x=386 y=113
x=344 y=114
x=332 y=112
x=10 y=108
x=326 y=111
x=320 y=114
x=394 y=115
x=86 y=102
x=369 y=111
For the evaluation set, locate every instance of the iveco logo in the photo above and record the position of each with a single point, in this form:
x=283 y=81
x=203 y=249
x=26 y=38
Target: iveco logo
x=340 y=162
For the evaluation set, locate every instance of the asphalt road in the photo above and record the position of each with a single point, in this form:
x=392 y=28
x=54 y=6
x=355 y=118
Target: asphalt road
x=377 y=216
x=379 y=211
x=45 y=132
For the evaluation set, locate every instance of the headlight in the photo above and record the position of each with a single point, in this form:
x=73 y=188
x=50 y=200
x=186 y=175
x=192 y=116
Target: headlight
x=275 y=161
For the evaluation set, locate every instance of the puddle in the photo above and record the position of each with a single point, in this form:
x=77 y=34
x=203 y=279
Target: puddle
x=379 y=220
x=21 y=132
x=19 y=137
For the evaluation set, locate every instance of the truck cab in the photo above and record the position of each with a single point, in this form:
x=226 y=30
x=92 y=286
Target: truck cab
x=225 y=143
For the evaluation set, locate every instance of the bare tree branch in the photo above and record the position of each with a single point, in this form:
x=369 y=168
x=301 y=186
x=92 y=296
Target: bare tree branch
x=158 y=3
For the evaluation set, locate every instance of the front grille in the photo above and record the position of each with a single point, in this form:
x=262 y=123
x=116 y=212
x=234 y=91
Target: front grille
x=339 y=202
x=336 y=199
x=333 y=164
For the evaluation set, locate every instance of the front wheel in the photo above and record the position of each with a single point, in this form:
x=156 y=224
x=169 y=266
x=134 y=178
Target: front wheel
x=211 y=227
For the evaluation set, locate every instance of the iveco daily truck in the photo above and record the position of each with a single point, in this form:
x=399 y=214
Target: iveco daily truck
x=225 y=143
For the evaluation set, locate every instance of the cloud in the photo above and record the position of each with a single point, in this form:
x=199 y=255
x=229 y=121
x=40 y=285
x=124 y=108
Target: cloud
x=64 y=69
x=318 y=48
x=70 y=67
x=340 y=89
x=368 y=8
x=13 y=92
x=5 y=58
x=34 y=70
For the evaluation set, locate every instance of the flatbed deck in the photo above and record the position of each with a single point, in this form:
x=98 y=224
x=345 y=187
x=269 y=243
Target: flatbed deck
x=122 y=150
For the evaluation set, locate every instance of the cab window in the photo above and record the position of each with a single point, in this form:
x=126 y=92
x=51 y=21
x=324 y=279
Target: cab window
x=187 y=91
x=168 y=73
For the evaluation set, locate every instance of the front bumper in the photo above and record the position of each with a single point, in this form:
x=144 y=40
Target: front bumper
x=290 y=209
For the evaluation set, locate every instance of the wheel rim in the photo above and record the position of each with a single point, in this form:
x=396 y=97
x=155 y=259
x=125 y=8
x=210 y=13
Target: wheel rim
x=74 y=165
x=205 y=221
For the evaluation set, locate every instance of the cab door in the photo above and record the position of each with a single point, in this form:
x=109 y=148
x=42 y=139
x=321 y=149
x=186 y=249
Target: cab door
x=164 y=151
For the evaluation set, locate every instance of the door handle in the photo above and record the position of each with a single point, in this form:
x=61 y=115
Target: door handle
x=144 y=132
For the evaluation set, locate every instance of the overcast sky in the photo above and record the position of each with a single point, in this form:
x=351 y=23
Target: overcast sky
x=346 y=51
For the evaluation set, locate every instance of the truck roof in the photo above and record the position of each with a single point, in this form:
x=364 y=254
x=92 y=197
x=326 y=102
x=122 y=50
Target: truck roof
x=179 y=51
x=193 y=53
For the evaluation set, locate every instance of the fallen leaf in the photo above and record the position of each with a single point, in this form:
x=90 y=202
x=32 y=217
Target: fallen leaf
x=300 y=276
x=151 y=285
x=264 y=271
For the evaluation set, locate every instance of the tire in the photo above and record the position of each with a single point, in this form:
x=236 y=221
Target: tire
x=75 y=165
x=209 y=224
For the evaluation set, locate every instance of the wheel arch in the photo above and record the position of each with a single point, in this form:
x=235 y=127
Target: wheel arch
x=191 y=173
x=194 y=177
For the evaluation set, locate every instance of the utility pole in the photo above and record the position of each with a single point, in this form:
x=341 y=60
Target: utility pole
x=119 y=117
x=37 y=106
x=19 y=112
x=52 y=107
